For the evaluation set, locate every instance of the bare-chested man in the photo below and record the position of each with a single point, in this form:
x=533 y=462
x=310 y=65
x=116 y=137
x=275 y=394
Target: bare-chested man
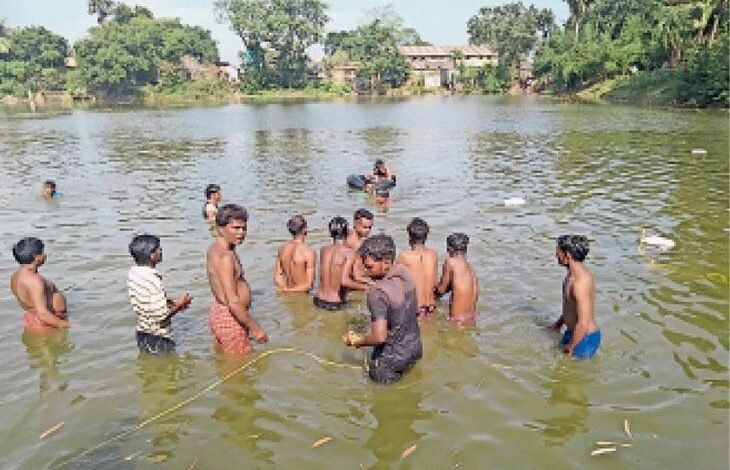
x=43 y=304
x=295 y=261
x=458 y=277
x=582 y=337
x=362 y=224
x=333 y=281
x=228 y=318
x=422 y=263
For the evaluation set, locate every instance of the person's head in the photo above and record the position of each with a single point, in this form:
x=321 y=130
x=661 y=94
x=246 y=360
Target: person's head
x=338 y=228
x=213 y=193
x=456 y=243
x=382 y=196
x=417 y=231
x=232 y=223
x=377 y=253
x=362 y=222
x=48 y=189
x=29 y=250
x=297 y=225
x=569 y=247
x=379 y=167
x=146 y=250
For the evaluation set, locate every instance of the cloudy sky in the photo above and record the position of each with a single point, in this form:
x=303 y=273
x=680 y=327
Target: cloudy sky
x=438 y=21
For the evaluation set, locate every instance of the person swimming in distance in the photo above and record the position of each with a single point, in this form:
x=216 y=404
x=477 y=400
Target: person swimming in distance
x=296 y=262
x=210 y=207
x=382 y=198
x=48 y=190
x=459 y=278
x=43 y=304
x=582 y=337
x=380 y=172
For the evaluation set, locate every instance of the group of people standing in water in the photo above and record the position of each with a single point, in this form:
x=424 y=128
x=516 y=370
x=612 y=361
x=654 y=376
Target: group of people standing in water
x=400 y=291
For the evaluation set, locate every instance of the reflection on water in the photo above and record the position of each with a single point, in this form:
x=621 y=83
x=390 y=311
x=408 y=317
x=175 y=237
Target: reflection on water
x=497 y=392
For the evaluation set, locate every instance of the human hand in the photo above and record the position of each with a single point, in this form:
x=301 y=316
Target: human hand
x=258 y=334
x=568 y=350
x=182 y=302
x=352 y=339
x=556 y=325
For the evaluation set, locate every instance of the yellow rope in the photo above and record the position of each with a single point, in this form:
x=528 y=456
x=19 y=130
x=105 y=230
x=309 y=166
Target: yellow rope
x=202 y=392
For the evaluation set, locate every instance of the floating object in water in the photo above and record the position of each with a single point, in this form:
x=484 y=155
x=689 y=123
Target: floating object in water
x=606 y=443
x=514 y=201
x=192 y=465
x=50 y=430
x=655 y=240
x=408 y=451
x=358 y=182
x=321 y=442
x=699 y=152
x=603 y=450
x=627 y=430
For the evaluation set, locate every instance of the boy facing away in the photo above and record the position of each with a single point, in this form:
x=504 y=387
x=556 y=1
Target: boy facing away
x=296 y=262
x=149 y=301
x=458 y=277
x=422 y=263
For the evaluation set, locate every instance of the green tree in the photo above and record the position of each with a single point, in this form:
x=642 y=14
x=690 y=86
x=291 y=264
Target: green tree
x=33 y=60
x=100 y=8
x=285 y=28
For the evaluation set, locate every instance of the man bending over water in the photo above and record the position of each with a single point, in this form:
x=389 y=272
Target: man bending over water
x=228 y=319
x=394 y=330
x=332 y=291
x=43 y=304
x=295 y=260
x=582 y=337
x=458 y=277
x=422 y=263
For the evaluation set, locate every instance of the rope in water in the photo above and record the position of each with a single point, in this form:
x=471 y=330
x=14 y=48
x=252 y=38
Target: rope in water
x=213 y=385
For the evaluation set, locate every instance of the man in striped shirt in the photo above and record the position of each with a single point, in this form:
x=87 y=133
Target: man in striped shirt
x=149 y=301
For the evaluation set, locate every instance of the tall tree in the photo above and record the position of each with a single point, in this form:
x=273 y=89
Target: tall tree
x=100 y=8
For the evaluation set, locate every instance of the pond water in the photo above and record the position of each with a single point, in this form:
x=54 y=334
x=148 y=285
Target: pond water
x=495 y=395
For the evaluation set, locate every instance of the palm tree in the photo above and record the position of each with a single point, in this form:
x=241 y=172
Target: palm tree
x=578 y=10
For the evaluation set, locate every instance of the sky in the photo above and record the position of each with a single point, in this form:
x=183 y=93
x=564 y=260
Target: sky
x=437 y=21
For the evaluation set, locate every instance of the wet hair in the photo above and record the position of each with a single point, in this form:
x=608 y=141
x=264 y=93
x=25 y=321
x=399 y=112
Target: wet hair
x=382 y=193
x=230 y=212
x=211 y=189
x=362 y=214
x=457 y=242
x=51 y=184
x=417 y=230
x=27 y=249
x=574 y=245
x=338 y=228
x=379 y=161
x=296 y=224
x=378 y=247
x=142 y=246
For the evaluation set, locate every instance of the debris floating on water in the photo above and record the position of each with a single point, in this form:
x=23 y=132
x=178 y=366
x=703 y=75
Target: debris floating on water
x=321 y=442
x=603 y=450
x=627 y=430
x=50 y=430
x=192 y=465
x=408 y=451
x=606 y=443
x=699 y=152
x=514 y=201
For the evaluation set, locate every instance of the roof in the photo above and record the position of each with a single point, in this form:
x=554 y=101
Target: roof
x=446 y=50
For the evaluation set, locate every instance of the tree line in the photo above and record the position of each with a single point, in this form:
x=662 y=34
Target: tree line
x=602 y=39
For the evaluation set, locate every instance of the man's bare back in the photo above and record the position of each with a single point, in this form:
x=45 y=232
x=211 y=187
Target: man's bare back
x=459 y=277
x=332 y=261
x=295 y=267
x=580 y=280
x=422 y=263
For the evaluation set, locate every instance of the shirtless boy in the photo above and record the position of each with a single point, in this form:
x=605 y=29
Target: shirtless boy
x=48 y=190
x=394 y=332
x=212 y=198
x=295 y=260
x=422 y=263
x=44 y=306
x=229 y=319
x=380 y=172
x=582 y=337
x=458 y=277
x=333 y=280
x=362 y=225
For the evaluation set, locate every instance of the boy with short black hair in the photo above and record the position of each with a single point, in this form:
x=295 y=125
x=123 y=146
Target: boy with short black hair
x=149 y=301
x=458 y=277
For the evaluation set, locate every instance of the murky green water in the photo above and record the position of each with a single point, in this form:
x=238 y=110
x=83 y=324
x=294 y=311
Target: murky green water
x=498 y=395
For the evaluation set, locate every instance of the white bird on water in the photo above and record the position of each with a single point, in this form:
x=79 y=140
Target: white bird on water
x=655 y=240
x=514 y=201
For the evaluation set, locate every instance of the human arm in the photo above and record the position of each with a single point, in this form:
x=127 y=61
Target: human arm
x=348 y=280
x=177 y=305
x=377 y=335
x=583 y=310
x=239 y=309
x=279 y=279
x=38 y=300
x=444 y=285
x=557 y=324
